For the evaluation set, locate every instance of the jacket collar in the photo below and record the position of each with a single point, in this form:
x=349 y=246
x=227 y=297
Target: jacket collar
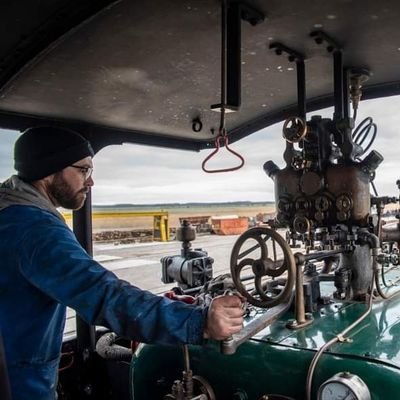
x=15 y=191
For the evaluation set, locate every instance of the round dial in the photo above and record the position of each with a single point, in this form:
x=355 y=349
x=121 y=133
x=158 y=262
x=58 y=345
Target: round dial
x=344 y=386
x=336 y=391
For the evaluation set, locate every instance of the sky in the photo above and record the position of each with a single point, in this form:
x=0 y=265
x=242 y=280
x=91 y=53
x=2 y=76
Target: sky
x=146 y=175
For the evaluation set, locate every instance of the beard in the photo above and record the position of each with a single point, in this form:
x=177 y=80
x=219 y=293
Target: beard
x=64 y=195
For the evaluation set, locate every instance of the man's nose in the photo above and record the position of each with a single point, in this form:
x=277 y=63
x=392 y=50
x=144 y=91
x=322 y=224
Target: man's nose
x=90 y=181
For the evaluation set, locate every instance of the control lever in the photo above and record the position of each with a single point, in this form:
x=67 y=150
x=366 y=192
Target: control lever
x=230 y=292
x=229 y=345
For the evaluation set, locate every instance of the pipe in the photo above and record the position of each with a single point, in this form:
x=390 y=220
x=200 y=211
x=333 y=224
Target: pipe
x=187 y=374
x=376 y=270
x=373 y=242
x=299 y=304
x=106 y=348
x=319 y=255
x=339 y=337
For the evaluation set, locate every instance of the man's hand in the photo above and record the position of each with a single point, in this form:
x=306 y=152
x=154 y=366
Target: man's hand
x=224 y=318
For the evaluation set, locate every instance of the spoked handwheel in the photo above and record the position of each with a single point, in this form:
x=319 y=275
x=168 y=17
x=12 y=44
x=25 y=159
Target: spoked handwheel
x=202 y=387
x=262 y=255
x=202 y=390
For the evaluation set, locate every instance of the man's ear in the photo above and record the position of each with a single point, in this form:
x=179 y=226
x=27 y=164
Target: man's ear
x=48 y=179
x=43 y=183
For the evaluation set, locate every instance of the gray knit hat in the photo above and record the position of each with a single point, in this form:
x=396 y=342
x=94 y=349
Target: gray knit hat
x=42 y=151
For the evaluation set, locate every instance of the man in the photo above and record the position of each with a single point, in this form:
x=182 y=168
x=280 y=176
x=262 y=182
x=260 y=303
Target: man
x=44 y=269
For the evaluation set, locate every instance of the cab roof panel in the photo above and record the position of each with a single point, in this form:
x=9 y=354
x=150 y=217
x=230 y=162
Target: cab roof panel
x=142 y=72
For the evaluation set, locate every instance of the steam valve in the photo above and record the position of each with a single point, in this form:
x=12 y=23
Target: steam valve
x=294 y=129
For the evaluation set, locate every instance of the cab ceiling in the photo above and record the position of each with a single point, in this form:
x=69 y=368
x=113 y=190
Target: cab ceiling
x=141 y=72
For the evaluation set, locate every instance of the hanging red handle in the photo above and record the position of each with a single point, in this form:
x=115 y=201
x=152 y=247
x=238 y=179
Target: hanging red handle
x=222 y=136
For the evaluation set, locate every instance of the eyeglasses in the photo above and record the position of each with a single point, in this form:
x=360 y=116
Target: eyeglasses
x=86 y=171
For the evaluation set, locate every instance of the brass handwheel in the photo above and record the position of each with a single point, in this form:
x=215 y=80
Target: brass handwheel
x=294 y=129
x=201 y=386
x=261 y=254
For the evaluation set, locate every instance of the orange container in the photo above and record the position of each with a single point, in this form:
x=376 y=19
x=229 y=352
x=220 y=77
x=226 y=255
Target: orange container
x=229 y=225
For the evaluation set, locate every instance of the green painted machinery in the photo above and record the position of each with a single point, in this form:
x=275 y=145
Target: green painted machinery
x=275 y=362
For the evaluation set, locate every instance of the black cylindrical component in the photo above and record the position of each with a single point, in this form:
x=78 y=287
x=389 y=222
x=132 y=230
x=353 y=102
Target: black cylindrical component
x=186 y=232
x=85 y=333
x=233 y=56
x=346 y=97
x=270 y=168
x=372 y=161
x=338 y=84
x=301 y=89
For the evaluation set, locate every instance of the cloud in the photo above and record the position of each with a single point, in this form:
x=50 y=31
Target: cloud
x=145 y=175
x=153 y=175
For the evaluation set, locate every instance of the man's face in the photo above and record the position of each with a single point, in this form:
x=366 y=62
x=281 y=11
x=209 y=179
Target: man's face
x=69 y=187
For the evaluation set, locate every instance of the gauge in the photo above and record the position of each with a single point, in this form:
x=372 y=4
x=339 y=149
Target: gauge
x=336 y=391
x=344 y=386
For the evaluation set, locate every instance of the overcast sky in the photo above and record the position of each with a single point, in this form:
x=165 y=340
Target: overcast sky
x=146 y=175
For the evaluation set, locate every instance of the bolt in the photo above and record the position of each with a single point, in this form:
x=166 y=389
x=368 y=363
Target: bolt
x=88 y=390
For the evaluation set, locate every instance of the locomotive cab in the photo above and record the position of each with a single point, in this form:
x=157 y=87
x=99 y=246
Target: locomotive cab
x=319 y=281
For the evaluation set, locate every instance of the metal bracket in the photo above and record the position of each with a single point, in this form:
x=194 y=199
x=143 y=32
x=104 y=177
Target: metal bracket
x=321 y=37
x=293 y=55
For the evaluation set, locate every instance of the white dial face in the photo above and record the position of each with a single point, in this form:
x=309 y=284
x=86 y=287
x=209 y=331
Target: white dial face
x=337 y=391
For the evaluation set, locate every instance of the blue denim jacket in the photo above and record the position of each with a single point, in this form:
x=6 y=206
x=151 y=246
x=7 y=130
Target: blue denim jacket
x=43 y=270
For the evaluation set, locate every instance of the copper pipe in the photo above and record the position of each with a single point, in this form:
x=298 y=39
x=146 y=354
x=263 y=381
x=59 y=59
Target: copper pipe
x=341 y=335
x=299 y=307
x=187 y=373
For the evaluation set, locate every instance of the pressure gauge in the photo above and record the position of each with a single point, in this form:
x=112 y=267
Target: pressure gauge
x=344 y=386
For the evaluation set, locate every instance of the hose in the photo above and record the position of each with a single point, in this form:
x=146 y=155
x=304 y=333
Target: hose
x=362 y=131
x=106 y=348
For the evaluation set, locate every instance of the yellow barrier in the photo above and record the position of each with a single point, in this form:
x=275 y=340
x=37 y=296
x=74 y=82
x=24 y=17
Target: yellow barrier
x=160 y=220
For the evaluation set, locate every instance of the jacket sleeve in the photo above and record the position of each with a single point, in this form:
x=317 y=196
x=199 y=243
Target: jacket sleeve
x=52 y=260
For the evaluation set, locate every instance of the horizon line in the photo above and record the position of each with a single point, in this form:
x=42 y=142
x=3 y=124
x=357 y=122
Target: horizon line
x=179 y=203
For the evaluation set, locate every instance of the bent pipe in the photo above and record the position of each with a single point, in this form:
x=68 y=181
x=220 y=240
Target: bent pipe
x=373 y=241
x=106 y=348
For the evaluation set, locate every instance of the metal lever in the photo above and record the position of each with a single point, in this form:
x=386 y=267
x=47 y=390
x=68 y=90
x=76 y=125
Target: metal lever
x=229 y=346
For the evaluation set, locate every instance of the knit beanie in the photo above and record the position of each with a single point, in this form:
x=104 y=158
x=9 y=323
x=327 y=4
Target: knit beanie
x=42 y=151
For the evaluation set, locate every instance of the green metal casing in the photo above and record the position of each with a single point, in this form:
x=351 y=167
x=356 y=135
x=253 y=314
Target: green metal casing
x=276 y=360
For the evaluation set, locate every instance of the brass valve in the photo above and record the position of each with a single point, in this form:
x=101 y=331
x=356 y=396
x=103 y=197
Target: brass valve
x=294 y=129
